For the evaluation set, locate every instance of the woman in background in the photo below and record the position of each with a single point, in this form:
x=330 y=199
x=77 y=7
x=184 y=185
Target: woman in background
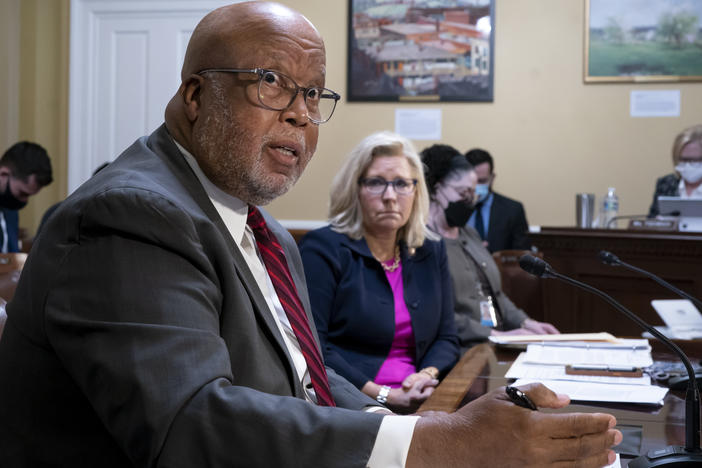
x=686 y=181
x=378 y=281
x=481 y=307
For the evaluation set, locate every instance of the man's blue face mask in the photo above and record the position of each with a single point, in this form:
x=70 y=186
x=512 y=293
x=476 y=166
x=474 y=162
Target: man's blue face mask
x=482 y=191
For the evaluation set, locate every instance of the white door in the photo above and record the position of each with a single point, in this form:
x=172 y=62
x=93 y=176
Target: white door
x=125 y=65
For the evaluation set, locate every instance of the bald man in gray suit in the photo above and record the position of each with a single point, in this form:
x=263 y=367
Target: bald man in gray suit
x=145 y=331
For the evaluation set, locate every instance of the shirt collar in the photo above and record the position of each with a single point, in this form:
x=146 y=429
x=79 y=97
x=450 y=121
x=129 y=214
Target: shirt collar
x=234 y=212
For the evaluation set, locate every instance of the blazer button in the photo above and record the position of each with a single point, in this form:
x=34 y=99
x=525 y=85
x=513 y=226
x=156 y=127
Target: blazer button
x=414 y=305
x=483 y=264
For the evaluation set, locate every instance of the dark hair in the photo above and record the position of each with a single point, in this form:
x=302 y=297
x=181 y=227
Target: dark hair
x=478 y=156
x=26 y=158
x=441 y=161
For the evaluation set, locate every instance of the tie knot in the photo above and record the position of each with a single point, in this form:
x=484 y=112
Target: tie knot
x=255 y=219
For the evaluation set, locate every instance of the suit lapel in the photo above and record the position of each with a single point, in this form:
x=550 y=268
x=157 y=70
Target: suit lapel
x=496 y=221
x=295 y=267
x=163 y=146
x=476 y=251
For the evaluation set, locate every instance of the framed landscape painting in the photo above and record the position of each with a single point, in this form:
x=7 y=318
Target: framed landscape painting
x=643 y=40
x=420 y=50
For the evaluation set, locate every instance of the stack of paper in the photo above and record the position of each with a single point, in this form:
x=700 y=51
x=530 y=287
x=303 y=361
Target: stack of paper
x=546 y=363
x=562 y=337
x=635 y=353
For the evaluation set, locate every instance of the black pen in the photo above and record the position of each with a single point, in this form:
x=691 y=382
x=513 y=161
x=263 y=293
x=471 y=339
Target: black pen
x=519 y=398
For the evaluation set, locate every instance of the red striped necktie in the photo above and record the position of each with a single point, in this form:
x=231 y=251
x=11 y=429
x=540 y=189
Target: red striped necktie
x=277 y=267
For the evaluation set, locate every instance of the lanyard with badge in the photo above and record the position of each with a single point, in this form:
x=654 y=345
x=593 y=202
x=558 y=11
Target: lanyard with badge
x=488 y=311
x=488 y=315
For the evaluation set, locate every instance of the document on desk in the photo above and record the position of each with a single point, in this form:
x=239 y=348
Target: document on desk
x=560 y=337
x=521 y=369
x=604 y=392
x=636 y=352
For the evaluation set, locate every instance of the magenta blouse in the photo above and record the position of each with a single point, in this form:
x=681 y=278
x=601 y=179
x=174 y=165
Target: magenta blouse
x=401 y=359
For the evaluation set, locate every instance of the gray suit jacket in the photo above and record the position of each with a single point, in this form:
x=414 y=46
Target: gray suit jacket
x=137 y=338
x=465 y=280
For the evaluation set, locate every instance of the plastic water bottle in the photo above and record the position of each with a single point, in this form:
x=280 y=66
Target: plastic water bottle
x=610 y=209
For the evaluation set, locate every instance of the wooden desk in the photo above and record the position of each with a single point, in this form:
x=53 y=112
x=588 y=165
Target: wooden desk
x=451 y=394
x=675 y=256
x=482 y=369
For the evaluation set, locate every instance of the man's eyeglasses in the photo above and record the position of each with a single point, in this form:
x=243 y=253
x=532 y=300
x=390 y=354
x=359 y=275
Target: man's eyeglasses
x=378 y=185
x=277 y=92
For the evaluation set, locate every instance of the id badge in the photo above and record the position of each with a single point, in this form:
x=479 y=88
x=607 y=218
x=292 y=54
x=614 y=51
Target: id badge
x=488 y=317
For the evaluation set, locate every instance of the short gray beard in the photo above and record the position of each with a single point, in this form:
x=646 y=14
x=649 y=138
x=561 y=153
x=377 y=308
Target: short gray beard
x=220 y=140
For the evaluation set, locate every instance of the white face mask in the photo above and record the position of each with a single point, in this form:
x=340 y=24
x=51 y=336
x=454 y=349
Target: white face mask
x=691 y=172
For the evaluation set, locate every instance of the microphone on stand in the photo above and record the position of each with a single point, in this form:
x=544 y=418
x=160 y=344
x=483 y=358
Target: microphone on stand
x=672 y=455
x=610 y=259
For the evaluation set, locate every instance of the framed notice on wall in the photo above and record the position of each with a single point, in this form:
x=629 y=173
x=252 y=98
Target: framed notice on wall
x=412 y=50
x=643 y=40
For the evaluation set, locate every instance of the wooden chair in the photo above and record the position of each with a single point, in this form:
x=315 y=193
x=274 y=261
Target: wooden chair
x=298 y=234
x=521 y=287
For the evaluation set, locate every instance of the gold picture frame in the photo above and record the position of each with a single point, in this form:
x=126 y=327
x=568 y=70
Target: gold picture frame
x=643 y=41
x=420 y=51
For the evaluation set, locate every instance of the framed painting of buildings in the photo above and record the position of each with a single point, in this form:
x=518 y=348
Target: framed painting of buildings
x=643 y=40
x=420 y=50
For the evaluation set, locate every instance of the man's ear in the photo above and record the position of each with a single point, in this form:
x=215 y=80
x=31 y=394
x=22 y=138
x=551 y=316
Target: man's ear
x=5 y=171
x=190 y=91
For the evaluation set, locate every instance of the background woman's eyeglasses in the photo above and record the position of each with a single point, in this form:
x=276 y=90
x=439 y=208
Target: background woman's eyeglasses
x=277 y=91
x=378 y=185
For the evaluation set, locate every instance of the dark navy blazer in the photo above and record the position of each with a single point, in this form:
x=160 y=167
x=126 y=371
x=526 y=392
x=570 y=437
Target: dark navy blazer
x=508 y=225
x=353 y=305
x=12 y=226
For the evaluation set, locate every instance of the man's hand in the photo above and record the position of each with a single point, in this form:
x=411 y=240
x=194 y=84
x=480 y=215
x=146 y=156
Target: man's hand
x=493 y=431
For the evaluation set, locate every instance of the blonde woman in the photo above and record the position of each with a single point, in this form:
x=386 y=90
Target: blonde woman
x=686 y=181
x=379 y=281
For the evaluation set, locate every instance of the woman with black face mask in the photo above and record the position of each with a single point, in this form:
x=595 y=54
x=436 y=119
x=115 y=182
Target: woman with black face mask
x=481 y=308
